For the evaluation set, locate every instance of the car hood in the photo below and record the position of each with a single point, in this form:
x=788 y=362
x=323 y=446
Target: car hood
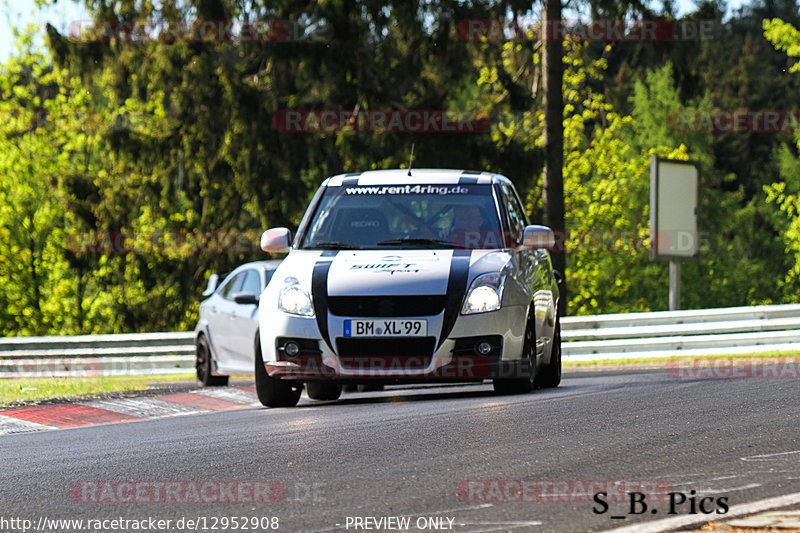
x=391 y=272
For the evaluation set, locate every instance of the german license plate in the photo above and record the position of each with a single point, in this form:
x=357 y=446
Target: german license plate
x=385 y=328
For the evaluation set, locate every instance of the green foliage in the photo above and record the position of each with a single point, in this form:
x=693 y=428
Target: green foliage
x=785 y=194
x=159 y=139
x=36 y=149
x=606 y=181
x=785 y=37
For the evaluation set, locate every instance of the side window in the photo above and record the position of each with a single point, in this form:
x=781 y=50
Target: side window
x=232 y=287
x=252 y=282
x=267 y=276
x=517 y=220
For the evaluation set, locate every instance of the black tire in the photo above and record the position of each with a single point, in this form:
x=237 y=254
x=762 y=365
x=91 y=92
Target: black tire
x=550 y=376
x=323 y=390
x=524 y=384
x=202 y=365
x=273 y=392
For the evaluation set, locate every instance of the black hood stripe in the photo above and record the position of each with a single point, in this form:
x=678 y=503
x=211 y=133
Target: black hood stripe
x=319 y=292
x=456 y=290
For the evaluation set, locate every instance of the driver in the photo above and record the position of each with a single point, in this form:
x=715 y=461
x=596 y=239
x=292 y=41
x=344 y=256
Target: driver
x=468 y=228
x=467 y=218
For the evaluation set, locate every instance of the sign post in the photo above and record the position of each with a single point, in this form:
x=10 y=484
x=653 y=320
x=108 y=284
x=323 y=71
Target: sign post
x=674 y=285
x=674 y=217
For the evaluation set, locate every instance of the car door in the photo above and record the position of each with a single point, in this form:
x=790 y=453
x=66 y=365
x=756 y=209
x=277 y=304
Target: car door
x=220 y=329
x=244 y=322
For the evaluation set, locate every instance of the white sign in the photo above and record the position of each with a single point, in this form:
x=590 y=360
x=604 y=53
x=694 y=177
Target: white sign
x=674 y=209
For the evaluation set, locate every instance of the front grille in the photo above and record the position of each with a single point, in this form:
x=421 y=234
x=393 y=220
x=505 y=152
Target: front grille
x=386 y=306
x=385 y=354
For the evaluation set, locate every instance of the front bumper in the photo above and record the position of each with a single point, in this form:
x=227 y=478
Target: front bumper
x=397 y=360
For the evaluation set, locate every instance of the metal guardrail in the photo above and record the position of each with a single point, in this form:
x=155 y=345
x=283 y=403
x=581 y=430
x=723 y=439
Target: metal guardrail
x=729 y=330
x=732 y=330
x=94 y=355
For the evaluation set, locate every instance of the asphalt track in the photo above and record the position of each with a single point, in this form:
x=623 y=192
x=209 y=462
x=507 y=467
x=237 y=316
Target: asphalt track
x=418 y=453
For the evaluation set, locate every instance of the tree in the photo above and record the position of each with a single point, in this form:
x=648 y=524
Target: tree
x=785 y=194
x=553 y=140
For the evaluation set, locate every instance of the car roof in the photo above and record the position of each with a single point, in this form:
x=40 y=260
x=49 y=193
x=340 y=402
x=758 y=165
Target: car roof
x=402 y=176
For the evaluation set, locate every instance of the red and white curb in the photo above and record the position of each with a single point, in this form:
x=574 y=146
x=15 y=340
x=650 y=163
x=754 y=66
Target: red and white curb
x=92 y=412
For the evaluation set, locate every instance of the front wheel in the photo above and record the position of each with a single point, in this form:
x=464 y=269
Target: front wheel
x=202 y=365
x=323 y=390
x=550 y=376
x=523 y=384
x=273 y=392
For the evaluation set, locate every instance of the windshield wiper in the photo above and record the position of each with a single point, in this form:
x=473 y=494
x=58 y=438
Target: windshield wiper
x=332 y=246
x=420 y=241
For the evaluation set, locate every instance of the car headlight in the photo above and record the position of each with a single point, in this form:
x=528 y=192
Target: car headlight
x=294 y=300
x=484 y=295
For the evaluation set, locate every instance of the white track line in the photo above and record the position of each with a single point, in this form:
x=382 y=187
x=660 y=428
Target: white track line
x=768 y=456
x=668 y=524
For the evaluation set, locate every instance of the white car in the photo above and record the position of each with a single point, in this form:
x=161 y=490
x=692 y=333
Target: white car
x=228 y=323
x=399 y=276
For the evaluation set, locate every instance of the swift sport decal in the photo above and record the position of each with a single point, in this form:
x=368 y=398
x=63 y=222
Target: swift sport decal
x=389 y=268
x=397 y=273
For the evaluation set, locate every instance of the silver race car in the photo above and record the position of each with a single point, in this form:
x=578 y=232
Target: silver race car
x=228 y=322
x=399 y=276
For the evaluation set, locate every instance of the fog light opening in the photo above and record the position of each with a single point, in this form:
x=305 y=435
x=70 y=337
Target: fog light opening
x=292 y=349
x=483 y=348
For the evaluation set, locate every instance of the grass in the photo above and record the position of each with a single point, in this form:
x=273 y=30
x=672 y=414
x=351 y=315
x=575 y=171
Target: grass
x=15 y=389
x=673 y=359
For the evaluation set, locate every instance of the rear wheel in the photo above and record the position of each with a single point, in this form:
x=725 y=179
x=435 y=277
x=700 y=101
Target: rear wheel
x=523 y=384
x=551 y=375
x=273 y=392
x=323 y=390
x=202 y=365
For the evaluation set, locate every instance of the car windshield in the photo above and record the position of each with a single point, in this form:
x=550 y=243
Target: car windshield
x=405 y=216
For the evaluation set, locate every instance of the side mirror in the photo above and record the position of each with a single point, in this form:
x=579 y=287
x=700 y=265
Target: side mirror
x=213 y=281
x=245 y=298
x=275 y=240
x=538 y=237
